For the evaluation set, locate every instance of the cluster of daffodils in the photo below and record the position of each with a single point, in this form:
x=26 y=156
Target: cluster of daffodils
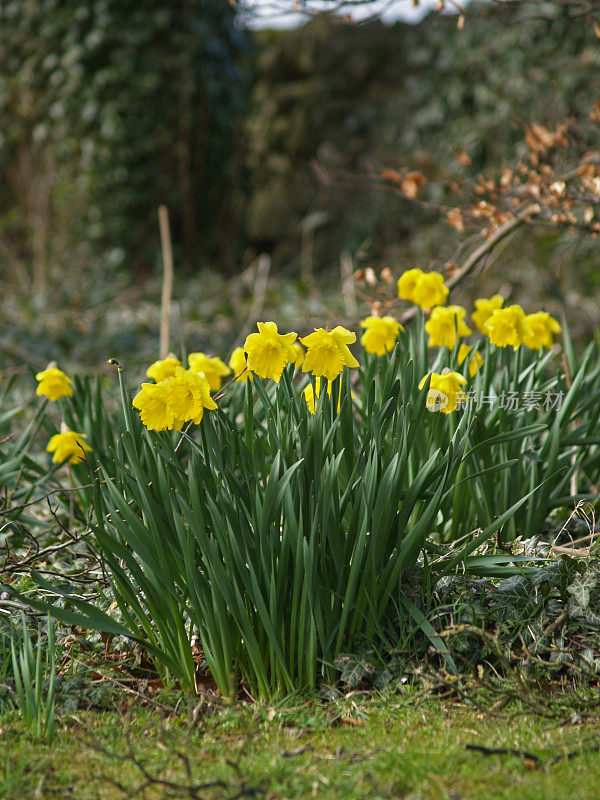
x=176 y=395
x=67 y=445
x=179 y=395
x=504 y=326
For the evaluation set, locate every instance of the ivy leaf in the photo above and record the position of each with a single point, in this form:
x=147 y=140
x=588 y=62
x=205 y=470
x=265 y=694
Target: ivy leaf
x=355 y=671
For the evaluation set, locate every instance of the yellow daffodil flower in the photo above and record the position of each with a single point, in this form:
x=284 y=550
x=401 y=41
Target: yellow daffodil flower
x=485 y=307
x=380 y=334
x=300 y=354
x=213 y=368
x=309 y=395
x=475 y=363
x=445 y=391
x=163 y=368
x=327 y=352
x=68 y=445
x=269 y=351
x=152 y=403
x=53 y=383
x=430 y=290
x=407 y=282
x=444 y=324
x=507 y=327
x=188 y=394
x=239 y=366
x=543 y=329
x=426 y=289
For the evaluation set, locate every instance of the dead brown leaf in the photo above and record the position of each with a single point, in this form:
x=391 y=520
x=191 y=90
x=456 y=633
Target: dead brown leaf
x=411 y=184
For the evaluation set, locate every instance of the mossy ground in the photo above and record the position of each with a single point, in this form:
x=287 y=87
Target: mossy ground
x=359 y=747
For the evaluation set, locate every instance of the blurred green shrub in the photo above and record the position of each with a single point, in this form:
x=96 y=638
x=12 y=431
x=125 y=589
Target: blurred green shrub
x=356 y=99
x=109 y=109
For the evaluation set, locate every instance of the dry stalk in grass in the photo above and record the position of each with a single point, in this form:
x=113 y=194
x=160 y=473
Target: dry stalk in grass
x=163 y=777
x=582 y=552
x=591 y=537
x=348 y=286
x=516 y=683
x=167 y=284
x=261 y=279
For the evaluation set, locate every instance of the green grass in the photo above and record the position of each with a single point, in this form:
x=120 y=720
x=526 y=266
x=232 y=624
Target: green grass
x=359 y=747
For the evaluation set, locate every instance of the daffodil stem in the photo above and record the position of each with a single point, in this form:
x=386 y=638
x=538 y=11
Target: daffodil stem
x=517 y=367
x=183 y=435
x=71 y=498
x=221 y=391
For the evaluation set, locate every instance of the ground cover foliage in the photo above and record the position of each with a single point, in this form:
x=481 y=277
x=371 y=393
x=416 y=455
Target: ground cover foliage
x=385 y=745
x=526 y=648
x=290 y=530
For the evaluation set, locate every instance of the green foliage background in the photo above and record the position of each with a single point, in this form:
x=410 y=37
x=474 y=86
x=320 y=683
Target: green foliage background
x=109 y=109
x=361 y=98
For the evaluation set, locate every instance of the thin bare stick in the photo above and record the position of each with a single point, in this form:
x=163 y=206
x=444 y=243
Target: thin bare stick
x=263 y=267
x=348 y=286
x=167 y=284
x=20 y=352
x=307 y=255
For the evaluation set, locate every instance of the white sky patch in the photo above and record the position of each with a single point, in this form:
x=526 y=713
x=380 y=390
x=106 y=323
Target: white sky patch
x=282 y=13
